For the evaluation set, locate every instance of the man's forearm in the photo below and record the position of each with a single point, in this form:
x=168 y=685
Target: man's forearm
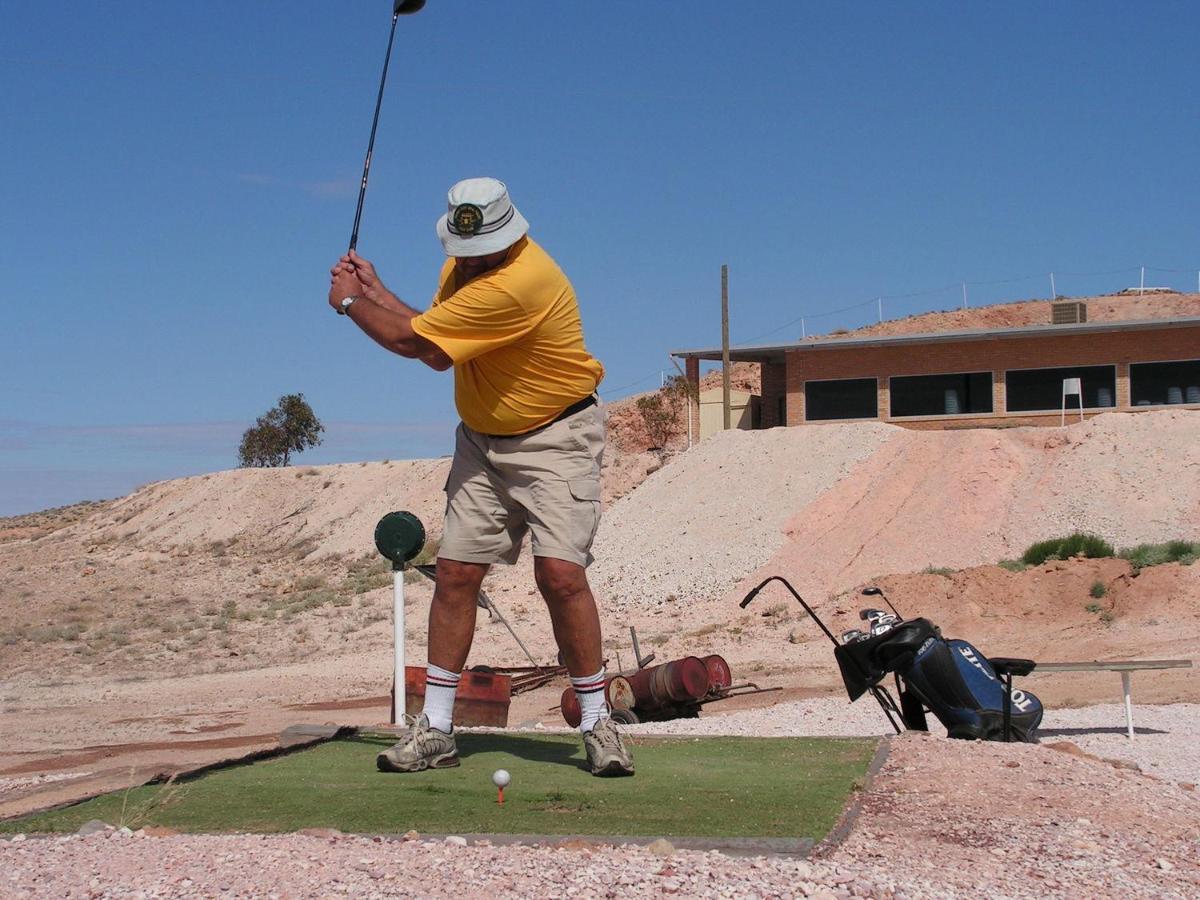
x=390 y=326
x=388 y=300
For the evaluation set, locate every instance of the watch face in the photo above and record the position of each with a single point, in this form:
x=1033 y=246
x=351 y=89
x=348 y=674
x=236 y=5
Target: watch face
x=346 y=301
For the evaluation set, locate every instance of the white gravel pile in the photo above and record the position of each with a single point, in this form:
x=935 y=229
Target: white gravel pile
x=690 y=530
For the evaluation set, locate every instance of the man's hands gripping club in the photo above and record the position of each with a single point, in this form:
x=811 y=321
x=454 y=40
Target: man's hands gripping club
x=385 y=318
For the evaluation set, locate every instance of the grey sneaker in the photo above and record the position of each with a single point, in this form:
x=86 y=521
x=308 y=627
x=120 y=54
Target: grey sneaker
x=606 y=750
x=420 y=748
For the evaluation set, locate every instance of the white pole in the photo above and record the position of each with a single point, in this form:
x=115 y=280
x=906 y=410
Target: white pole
x=964 y=295
x=803 y=333
x=398 y=699
x=1142 y=285
x=1125 y=677
x=879 y=303
x=662 y=379
x=1053 y=292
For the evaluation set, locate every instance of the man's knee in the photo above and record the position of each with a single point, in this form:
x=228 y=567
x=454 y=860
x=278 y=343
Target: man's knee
x=559 y=579
x=459 y=579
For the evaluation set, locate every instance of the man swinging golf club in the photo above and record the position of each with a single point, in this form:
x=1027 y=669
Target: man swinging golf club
x=527 y=453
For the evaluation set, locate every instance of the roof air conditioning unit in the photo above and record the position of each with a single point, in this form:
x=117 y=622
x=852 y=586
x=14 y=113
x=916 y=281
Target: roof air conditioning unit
x=1071 y=313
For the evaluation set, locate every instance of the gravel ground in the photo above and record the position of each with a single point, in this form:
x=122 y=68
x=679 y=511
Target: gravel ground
x=1167 y=744
x=1055 y=825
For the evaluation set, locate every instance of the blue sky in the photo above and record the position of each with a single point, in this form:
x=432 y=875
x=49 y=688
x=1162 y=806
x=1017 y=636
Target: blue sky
x=176 y=179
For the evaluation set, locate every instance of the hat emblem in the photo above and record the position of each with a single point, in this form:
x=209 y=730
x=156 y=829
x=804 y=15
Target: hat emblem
x=468 y=219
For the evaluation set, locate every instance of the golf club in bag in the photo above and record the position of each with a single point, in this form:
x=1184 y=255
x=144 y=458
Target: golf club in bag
x=399 y=8
x=950 y=678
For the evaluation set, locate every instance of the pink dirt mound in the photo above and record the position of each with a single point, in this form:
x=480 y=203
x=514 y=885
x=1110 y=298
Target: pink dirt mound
x=966 y=498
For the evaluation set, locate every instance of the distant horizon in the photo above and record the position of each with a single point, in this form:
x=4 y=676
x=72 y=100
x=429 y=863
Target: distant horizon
x=230 y=432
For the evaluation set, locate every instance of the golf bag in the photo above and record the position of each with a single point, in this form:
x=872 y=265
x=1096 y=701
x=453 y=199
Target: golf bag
x=950 y=678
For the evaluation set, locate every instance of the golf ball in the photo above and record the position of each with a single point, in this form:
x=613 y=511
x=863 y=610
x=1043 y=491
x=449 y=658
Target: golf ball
x=501 y=778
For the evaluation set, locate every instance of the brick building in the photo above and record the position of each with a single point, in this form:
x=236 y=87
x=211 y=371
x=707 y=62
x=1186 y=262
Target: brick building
x=975 y=378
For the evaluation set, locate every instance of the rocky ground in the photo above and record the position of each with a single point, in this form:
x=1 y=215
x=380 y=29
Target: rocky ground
x=939 y=819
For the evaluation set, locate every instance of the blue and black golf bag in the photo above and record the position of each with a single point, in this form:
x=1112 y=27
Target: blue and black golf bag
x=968 y=693
x=971 y=695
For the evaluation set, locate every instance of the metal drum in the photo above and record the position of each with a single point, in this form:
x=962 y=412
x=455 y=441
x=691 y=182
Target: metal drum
x=619 y=693
x=570 y=707
x=719 y=676
x=679 y=681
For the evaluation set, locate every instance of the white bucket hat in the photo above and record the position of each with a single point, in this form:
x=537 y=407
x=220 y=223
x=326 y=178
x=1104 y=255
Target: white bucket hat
x=480 y=219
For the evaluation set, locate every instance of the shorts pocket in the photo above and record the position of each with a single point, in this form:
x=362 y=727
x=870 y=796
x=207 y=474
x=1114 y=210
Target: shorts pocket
x=584 y=489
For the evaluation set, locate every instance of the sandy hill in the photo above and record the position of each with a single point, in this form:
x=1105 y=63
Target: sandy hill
x=249 y=567
x=1103 y=308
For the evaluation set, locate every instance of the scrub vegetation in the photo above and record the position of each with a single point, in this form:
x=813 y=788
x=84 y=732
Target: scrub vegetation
x=1092 y=547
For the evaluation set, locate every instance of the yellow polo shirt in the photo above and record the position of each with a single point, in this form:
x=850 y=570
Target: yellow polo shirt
x=515 y=339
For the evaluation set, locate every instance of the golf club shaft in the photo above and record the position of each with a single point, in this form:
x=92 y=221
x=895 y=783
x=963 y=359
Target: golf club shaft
x=362 y=189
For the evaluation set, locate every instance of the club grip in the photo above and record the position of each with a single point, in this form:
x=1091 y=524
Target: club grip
x=750 y=596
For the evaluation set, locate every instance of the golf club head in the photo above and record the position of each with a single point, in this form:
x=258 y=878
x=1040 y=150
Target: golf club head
x=870 y=615
x=871 y=592
x=852 y=635
x=405 y=7
x=881 y=628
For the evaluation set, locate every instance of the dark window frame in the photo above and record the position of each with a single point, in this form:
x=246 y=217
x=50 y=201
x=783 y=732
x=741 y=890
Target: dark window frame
x=991 y=395
x=1133 y=398
x=808 y=404
x=1008 y=407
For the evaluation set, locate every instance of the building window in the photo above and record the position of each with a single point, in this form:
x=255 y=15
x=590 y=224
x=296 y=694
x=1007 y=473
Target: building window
x=851 y=398
x=1040 y=390
x=941 y=395
x=1152 y=384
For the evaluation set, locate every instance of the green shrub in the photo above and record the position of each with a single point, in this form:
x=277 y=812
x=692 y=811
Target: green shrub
x=1093 y=607
x=1143 y=555
x=1013 y=565
x=1077 y=544
x=1098 y=589
x=937 y=570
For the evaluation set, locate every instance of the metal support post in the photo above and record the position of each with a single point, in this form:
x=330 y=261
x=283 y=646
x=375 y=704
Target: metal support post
x=398 y=699
x=725 y=346
x=1126 y=677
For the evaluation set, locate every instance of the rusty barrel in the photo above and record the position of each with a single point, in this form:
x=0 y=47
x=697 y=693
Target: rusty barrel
x=719 y=676
x=482 y=697
x=572 y=714
x=617 y=692
x=678 y=681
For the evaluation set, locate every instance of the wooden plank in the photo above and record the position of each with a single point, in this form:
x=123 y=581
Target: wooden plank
x=1116 y=665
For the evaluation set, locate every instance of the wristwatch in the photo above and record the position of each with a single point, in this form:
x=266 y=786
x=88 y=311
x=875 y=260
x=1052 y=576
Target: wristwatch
x=344 y=309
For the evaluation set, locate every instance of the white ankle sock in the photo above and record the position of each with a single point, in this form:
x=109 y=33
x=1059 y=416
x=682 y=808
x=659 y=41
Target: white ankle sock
x=440 y=686
x=590 y=693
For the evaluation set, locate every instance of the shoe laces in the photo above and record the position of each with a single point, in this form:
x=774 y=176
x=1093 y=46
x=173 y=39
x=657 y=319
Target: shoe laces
x=606 y=735
x=420 y=731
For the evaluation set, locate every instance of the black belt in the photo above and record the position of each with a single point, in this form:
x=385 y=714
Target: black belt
x=577 y=406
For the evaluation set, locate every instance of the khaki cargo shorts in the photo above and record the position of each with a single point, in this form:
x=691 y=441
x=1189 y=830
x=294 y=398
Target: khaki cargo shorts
x=546 y=484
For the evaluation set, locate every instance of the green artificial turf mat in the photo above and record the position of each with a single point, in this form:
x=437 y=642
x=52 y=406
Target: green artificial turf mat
x=700 y=787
